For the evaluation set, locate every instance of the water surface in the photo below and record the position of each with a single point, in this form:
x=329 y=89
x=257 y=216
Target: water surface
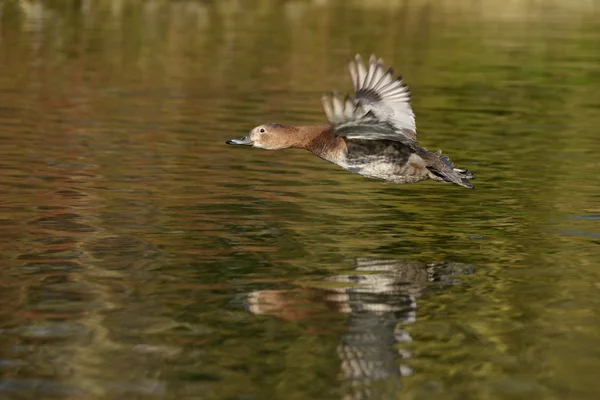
x=140 y=257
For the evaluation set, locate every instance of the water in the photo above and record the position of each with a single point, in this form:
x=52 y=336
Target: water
x=141 y=257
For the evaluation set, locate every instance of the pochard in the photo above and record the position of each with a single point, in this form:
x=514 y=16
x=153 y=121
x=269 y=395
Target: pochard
x=373 y=134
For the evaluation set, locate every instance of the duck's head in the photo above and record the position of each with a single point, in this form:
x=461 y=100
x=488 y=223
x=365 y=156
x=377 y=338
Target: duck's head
x=269 y=136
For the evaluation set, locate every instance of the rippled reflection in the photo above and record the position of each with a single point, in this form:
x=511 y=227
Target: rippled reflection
x=380 y=299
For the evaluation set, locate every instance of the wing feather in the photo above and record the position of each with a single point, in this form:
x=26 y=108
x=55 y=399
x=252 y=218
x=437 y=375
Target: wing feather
x=381 y=108
x=388 y=97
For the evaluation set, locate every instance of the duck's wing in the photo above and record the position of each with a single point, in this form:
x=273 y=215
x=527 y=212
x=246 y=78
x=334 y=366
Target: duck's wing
x=384 y=94
x=351 y=120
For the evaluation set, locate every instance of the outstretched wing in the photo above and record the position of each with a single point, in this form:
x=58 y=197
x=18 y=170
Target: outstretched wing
x=378 y=90
x=350 y=120
x=381 y=109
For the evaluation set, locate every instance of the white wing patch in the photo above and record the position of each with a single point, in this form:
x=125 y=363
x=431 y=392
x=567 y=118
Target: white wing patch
x=380 y=91
x=380 y=110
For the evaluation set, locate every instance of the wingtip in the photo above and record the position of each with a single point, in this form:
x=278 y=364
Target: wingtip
x=373 y=60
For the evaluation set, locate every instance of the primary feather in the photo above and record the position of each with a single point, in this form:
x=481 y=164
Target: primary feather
x=381 y=107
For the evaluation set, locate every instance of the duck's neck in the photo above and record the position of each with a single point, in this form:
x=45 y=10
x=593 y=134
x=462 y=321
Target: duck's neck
x=321 y=141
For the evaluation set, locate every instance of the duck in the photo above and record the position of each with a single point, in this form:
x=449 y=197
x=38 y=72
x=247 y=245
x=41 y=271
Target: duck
x=372 y=134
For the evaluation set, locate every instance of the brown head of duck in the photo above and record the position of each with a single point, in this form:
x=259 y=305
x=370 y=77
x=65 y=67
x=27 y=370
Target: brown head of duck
x=319 y=140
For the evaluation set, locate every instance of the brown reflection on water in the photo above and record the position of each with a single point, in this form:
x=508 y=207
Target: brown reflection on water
x=63 y=286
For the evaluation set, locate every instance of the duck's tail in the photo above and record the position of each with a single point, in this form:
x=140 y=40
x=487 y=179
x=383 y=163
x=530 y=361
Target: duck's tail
x=443 y=170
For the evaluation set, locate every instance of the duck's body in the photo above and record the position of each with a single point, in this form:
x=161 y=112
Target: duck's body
x=389 y=160
x=373 y=135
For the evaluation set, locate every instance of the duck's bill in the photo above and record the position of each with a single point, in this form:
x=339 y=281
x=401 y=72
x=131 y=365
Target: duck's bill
x=242 y=141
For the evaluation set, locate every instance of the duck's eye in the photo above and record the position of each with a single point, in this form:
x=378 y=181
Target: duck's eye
x=262 y=130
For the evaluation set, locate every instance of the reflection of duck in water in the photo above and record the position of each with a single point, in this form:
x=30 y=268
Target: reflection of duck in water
x=373 y=135
x=379 y=298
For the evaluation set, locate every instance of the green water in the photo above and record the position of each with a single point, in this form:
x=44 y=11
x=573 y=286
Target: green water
x=141 y=257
